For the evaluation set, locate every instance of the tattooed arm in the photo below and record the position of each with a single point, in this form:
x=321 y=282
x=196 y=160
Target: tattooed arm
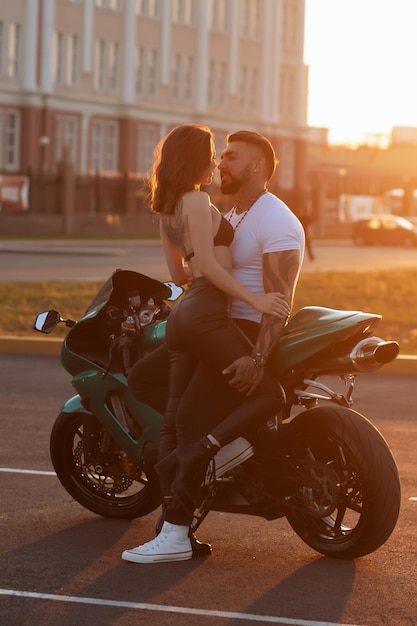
x=280 y=273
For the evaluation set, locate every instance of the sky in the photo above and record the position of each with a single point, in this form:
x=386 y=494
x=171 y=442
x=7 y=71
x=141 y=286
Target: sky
x=362 y=56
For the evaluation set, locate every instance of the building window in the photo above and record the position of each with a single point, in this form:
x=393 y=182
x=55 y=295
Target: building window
x=287 y=94
x=111 y=147
x=249 y=18
x=176 y=73
x=140 y=64
x=290 y=25
x=146 y=72
x=222 y=83
x=1 y=47
x=106 y=65
x=211 y=81
x=13 y=46
x=217 y=82
x=72 y=60
x=66 y=137
x=183 y=12
x=104 y=146
x=113 y=64
x=113 y=5
x=148 y=8
x=254 y=86
x=96 y=146
x=9 y=140
x=243 y=87
x=286 y=170
x=152 y=72
x=153 y=8
x=58 y=59
x=188 y=78
x=147 y=140
x=99 y=65
x=65 y=59
x=218 y=16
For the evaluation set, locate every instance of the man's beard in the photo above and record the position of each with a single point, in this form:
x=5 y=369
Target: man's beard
x=232 y=184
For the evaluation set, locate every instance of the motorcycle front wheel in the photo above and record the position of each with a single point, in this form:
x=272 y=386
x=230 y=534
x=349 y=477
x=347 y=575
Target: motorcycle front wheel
x=347 y=500
x=102 y=482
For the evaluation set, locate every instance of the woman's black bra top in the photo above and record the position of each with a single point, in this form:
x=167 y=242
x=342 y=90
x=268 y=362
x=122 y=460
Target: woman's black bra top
x=224 y=236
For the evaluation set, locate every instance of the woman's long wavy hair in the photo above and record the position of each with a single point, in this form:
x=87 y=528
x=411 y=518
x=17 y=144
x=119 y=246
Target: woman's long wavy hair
x=180 y=161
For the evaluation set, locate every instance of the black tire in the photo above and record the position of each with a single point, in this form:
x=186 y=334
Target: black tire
x=352 y=494
x=111 y=492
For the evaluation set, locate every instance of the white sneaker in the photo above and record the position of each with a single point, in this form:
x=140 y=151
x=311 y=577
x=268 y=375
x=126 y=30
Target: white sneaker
x=229 y=456
x=172 y=544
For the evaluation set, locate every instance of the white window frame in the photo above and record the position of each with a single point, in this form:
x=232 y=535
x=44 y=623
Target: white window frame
x=72 y=55
x=104 y=146
x=58 y=58
x=13 y=50
x=182 y=12
x=100 y=64
x=10 y=140
x=147 y=140
x=66 y=134
x=113 y=64
x=218 y=18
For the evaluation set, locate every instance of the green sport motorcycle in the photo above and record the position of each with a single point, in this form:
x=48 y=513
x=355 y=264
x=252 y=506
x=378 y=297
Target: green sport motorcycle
x=318 y=463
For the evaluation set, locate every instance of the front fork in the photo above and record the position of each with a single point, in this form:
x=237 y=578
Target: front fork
x=130 y=423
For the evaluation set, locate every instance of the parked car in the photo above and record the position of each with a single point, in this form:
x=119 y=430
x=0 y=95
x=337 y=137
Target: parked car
x=384 y=230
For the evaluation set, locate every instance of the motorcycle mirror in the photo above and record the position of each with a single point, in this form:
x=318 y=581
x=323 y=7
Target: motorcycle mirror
x=46 y=322
x=176 y=291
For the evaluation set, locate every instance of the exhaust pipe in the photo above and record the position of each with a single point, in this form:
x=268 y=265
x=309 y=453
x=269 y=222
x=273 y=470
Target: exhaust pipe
x=372 y=353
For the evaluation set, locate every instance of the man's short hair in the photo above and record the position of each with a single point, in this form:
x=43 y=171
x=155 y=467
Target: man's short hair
x=256 y=139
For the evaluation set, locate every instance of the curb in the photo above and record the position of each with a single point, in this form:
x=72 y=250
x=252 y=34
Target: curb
x=403 y=364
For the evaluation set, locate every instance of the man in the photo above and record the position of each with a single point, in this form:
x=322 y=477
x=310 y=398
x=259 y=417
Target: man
x=267 y=252
x=267 y=249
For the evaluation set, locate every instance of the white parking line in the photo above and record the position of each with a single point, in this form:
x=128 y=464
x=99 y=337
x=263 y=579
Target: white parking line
x=13 y=470
x=144 y=606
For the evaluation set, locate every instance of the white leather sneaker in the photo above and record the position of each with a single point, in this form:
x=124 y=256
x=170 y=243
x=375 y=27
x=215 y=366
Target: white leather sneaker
x=229 y=456
x=172 y=544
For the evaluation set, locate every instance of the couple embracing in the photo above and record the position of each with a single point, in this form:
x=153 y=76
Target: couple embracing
x=241 y=272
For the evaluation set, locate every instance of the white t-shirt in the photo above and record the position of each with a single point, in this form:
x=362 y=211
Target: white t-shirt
x=269 y=226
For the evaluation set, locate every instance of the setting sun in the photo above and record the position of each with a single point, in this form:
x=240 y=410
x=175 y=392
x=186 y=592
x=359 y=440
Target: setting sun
x=362 y=56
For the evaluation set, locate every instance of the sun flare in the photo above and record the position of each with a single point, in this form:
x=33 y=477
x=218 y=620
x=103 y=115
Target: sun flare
x=362 y=77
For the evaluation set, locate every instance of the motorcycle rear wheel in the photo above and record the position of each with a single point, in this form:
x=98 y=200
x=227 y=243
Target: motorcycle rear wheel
x=358 y=481
x=104 y=491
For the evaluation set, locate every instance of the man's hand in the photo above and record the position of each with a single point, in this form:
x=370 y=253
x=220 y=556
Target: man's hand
x=246 y=375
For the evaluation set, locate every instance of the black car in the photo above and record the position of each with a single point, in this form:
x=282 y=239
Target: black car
x=384 y=230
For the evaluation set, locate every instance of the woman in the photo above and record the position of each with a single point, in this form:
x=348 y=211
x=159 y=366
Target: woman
x=200 y=332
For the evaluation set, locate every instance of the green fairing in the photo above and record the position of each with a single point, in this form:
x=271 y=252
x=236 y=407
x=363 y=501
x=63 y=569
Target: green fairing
x=311 y=330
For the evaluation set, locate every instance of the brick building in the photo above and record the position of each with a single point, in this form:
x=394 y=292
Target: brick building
x=96 y=83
